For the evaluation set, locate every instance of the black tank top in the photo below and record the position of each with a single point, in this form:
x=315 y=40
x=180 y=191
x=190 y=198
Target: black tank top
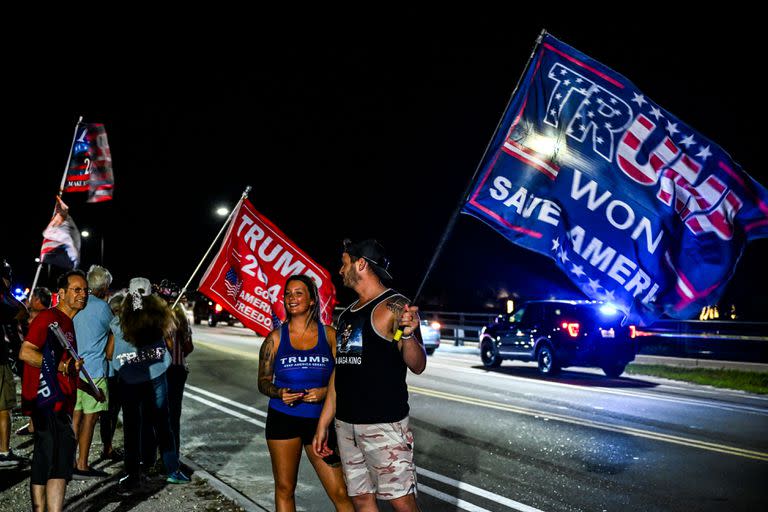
x=370 y=371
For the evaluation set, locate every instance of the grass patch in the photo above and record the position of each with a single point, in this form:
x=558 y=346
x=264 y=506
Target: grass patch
x=754 y=382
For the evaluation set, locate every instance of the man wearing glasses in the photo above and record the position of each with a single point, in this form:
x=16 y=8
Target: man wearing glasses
x=49 y=390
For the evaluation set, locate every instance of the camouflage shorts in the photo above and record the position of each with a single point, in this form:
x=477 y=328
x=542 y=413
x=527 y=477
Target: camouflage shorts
x=377 y=459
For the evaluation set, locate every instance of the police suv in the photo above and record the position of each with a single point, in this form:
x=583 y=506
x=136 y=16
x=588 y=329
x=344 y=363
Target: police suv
x=560 y=333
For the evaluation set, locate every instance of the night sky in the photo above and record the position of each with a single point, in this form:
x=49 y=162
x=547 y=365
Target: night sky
x=371 y=134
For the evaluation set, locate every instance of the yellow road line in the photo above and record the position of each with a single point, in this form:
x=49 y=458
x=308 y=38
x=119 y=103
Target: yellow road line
x=657 y=436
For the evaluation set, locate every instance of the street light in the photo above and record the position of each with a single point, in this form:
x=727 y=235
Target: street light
x=222 y=211
x=86 y=234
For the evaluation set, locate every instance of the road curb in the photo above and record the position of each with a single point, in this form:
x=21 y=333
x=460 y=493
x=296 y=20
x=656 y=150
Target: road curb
x=229 y=492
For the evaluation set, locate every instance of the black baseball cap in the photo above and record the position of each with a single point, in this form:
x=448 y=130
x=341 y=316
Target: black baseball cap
x=372 y=252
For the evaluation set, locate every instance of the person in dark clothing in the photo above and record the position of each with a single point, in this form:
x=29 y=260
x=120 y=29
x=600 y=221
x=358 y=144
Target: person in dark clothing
x=369 y=396
x=140 y=353
x=10 y=343
x=181 y=347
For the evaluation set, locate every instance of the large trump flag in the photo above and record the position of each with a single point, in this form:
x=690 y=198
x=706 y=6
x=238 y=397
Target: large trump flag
x=248 y=275
x=635 y=206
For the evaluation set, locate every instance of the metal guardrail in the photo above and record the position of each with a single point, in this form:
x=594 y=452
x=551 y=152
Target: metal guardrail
x=460 y=327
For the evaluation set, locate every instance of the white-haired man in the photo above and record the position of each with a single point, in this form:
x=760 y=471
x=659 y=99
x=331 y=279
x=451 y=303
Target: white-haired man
x=93 y=332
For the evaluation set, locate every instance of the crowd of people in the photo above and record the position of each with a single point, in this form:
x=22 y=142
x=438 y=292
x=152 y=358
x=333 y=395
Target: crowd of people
x=338 y=395
x=131 y=349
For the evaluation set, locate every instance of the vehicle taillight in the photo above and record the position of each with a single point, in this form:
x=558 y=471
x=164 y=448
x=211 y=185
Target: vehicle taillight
x=218 y=308
x=632 y=331
x=572 y=328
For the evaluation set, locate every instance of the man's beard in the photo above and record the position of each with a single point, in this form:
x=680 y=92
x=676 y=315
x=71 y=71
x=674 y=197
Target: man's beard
x=351 y=278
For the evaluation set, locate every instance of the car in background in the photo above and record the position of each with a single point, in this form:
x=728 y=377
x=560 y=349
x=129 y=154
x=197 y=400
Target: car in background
x=560 y=333
x=208 y=310
x=430 y=335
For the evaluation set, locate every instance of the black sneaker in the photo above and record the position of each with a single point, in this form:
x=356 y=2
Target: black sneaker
x=10 y=459
x=7 y=462
x=79 y=474
x=130 y=484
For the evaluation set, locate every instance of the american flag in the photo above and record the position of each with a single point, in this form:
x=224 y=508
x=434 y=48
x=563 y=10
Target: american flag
x=232 y=283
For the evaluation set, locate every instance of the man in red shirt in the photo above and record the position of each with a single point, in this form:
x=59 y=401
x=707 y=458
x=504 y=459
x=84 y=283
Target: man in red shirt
x=49 y=390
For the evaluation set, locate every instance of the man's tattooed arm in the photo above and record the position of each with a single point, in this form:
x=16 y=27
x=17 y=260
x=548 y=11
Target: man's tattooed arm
x=267 y=366
x=399 y=305
x=396 y=305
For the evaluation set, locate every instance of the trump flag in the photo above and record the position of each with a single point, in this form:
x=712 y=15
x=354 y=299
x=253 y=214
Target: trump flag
x=636 y=207
x=249 y=272
x=90 y=165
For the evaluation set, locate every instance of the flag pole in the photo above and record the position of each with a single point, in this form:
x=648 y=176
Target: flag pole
x=61 y=191
x=226 y=223
x=457 y=210
x=69 y=157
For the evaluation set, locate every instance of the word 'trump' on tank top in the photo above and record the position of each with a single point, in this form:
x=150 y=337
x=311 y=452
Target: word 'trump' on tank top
x=301 y=369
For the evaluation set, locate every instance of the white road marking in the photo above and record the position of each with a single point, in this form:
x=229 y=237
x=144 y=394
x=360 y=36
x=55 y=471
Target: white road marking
x=514 y=505
x=453 y=500
x=457 y=502
x=225 y=409
x=227 y=400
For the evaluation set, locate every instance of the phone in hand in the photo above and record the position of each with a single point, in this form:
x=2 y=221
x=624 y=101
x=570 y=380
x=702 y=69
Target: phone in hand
x=302 y=391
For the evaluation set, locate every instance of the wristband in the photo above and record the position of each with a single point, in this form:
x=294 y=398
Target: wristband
x=410 y=336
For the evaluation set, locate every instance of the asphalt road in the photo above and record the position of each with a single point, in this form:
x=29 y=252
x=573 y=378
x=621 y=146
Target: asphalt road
x=506 y=439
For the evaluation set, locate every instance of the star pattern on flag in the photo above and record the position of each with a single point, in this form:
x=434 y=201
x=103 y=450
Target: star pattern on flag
x=688 y=141
x=232 y=283
x=594 y=285
x=555 y=243
x=704 y=152
x=639 y=99
x=672 y=128
x=578 y=270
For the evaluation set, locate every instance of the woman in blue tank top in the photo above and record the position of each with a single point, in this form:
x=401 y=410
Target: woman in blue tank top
x=295 y=366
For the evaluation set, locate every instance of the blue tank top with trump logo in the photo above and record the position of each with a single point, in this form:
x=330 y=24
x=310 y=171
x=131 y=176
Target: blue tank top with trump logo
x=301 y=369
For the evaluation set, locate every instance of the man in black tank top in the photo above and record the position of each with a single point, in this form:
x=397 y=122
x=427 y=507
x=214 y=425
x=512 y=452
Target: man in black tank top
x=367 y=394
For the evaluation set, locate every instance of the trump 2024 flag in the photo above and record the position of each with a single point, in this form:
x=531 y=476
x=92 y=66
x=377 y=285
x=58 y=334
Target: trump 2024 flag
x=249 y=272
x=90 y=165
x=635 y=206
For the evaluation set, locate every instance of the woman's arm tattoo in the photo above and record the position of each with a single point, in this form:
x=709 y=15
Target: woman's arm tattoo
x=266 y=368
